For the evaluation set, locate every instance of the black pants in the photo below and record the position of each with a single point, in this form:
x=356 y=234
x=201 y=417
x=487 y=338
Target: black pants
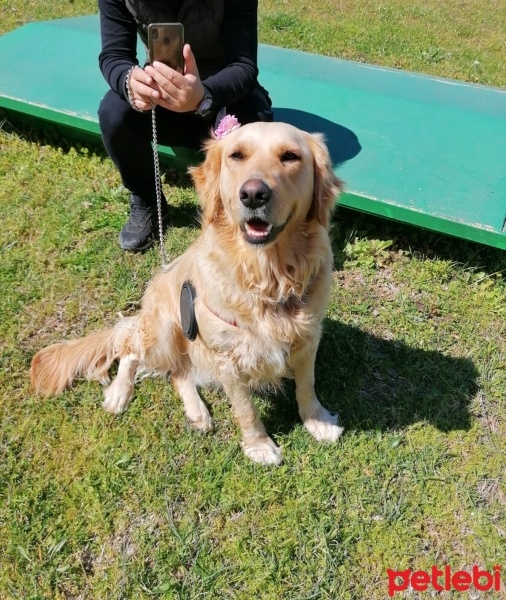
x=127 y=135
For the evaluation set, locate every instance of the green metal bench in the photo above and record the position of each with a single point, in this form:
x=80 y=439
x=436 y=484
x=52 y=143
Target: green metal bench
x=422 y=150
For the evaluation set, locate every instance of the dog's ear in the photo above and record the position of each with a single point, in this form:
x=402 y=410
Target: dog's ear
x=326 y=185
x=206 y=178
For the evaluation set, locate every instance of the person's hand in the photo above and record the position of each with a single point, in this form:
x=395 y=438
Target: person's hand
x=142 y=88
x=175 y=91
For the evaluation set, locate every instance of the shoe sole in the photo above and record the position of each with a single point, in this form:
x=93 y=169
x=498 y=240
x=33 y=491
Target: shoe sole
x=131 y=248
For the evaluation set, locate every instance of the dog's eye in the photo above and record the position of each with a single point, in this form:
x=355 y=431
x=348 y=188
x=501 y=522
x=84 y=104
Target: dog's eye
x=289 y=156
x=237 y=155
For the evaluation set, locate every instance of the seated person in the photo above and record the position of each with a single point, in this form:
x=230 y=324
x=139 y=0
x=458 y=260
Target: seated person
x=219 y=77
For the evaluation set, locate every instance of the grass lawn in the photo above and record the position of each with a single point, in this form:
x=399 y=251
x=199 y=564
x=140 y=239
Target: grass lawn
x=413 y=357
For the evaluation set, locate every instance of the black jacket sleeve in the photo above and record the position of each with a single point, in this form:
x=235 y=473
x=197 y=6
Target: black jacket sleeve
x=118 y=31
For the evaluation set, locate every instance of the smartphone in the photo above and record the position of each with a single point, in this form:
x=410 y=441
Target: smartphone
x=165 y=41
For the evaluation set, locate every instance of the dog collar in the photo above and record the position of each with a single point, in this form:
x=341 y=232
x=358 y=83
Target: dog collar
x=232 y=323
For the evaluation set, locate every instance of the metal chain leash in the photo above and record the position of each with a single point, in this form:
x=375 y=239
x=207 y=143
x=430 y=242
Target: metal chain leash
x=158 y=184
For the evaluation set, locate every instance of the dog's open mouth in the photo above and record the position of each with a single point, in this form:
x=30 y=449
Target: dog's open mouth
x=257 y=231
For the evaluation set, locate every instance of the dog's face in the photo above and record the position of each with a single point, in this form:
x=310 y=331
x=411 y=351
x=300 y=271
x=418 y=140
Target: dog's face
x=265 y=176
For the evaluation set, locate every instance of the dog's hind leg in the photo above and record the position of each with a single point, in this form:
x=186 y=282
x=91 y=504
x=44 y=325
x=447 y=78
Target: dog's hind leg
x=195 y=410
x=121 y=391
x=256 y=444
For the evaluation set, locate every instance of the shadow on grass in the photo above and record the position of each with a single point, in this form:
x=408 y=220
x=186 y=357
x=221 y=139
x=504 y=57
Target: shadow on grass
x=185 y=214
x=374 y=383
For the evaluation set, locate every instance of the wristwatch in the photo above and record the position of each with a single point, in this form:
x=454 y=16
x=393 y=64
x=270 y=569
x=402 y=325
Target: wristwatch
x=204 y=108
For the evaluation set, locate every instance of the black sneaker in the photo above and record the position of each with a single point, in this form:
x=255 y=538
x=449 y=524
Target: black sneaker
x=141 y=229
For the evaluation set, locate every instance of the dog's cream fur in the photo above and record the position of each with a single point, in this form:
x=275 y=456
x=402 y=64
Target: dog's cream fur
x=259 y=305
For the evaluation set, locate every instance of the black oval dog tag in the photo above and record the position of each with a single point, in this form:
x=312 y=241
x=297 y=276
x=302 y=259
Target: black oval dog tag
x=187 y=308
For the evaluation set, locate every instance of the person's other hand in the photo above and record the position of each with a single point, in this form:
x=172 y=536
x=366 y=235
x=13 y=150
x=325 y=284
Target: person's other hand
x=175 y=91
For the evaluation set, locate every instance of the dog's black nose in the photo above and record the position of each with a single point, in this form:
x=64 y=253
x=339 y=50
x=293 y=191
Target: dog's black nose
x=255 y=193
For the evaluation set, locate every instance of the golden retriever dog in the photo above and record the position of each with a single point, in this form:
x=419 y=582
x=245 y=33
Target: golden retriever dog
x=255 y=287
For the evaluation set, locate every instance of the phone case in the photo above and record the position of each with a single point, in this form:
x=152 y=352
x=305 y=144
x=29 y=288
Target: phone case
x=165 y=41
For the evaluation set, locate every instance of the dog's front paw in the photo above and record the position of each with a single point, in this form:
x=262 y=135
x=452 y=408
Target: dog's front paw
x=323 y=426
x=263 y=451
x=117 y=397
x=200 y=419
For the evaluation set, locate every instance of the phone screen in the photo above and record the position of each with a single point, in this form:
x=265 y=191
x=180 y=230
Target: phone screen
x=165 y=42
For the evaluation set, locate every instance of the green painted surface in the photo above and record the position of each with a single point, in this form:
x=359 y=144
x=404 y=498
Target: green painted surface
x=426 y=151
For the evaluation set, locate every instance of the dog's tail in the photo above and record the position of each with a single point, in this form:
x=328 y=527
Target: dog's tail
x=54 y=368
